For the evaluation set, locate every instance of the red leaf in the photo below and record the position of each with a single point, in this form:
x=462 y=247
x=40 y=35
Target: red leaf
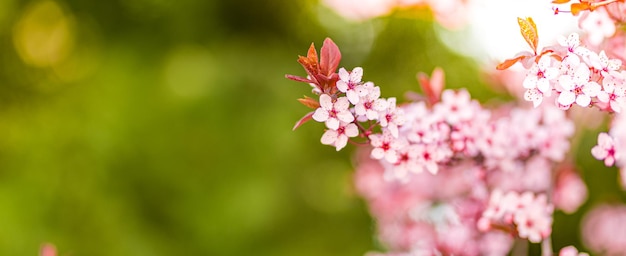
x=560 y=1
x=303 y=120
x=298 y=79
x=309 y=102
x=330 y=57
x=433 y=86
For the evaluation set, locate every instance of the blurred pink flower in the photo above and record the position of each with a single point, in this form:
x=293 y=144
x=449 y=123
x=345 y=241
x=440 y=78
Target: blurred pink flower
x=602 y=230
x=48 y=249
x=570 y=191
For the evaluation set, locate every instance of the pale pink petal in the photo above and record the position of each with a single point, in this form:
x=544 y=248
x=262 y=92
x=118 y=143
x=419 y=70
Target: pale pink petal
x=341 y=142
x=356 y=75
x=372 y=115
x=592 y=89
x=566 y=98
x=603 y=96
x=583 y=100
x=391 y=156
x=353 y=96
x=332 y=123
x=615 y=106
x=599 y=152
x=380 y=105
x=378 y=153
x=351 y=130
x=326 y=102
x=329 y=137
x=320 y=115
x=342 y=86
x=343 y=74
x=544 y=86
x=345 y=116
x=342 y=104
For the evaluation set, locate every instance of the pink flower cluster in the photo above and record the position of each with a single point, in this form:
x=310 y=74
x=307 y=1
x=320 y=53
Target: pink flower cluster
x=443 y=175
x=573 y=74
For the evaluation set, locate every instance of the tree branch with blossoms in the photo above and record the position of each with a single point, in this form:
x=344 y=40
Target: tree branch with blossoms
x=444 y=175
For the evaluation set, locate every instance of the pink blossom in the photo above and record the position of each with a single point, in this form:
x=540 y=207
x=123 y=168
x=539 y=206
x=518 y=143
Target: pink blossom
x=605 y=65
x=530 y=215
x=570 y=191
x=541 y=75
x=613 y=93
x=333 y=113
x=571 y=42
x=576 y=87
x=385 y=146
x=571 y=251
x=605 y=150
x=350 y=84
x=392 y=117
x=370 y=104
x=602 y=230
x=339 y=137
x=455 y=106
x=598 y=26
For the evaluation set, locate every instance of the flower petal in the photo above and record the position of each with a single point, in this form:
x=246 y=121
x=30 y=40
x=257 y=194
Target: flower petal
x=320 y=115
x=326 y=102
x=329 y=137
x=351 y=130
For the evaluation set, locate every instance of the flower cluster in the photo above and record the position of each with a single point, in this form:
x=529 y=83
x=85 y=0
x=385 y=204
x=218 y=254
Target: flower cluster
x=569 y=73
x=583 y=70
x=348 y=106
x=437 y=170
x=444 y=175
x=529 y=215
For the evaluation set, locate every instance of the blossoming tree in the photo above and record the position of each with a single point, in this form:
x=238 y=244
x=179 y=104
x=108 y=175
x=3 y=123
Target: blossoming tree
x=444 y=175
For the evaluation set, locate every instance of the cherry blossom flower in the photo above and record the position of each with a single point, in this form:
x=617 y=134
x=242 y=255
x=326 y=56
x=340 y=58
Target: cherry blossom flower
x=339 y=137
x=333 y=113
x=613 y=93
x=541 y=75
x=571 y=42
x=392 y=117
x=350 y=84
x=605 y=150
x=598 y=25
x=455 y=107
x=530 y=215
x=570 y=191
x=576 y=87
x=605 y=65
x=385 y=146
x=370 y=104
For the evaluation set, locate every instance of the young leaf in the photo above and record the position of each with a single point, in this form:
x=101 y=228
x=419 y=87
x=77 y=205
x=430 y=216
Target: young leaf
x=330 y=57
x=309 y=102
x=508 y=63
x=529 y=32
x=303 y=120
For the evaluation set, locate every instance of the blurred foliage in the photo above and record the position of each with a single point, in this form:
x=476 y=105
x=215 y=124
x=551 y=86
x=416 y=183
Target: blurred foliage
x=154 y=127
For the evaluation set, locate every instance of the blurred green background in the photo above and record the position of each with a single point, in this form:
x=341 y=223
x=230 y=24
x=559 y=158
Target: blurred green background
x=155 y=127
